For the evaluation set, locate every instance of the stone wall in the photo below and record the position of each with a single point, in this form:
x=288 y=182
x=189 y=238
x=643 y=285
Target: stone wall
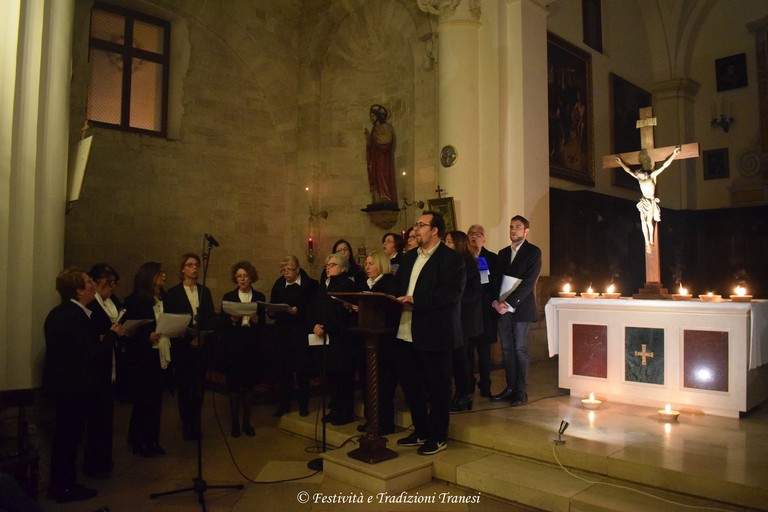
x=274 y=99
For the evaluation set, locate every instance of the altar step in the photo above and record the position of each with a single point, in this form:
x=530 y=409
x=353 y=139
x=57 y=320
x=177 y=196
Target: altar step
x=508 y=453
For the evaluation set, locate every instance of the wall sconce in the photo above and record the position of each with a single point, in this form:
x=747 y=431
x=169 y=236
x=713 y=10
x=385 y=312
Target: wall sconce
x=406 y=204
x=723 y=121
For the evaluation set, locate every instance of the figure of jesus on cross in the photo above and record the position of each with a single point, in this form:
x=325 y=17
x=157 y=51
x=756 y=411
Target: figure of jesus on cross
x=648 y=204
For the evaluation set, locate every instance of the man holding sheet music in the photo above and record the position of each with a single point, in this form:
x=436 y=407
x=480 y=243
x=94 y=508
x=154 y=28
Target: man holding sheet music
x=514 y=288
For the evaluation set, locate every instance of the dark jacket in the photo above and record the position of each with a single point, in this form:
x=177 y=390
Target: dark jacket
x=436 y=299
x=471 y=302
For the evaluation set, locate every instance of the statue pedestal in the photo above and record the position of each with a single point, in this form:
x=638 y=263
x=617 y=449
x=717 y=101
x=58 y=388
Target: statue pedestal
x=383 y=215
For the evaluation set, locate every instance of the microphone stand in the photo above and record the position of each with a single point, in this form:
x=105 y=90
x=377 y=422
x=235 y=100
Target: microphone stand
x=199 y=485
x=316 y=464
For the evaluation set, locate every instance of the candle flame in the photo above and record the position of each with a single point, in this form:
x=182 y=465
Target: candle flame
x=668 y=409
x=741 y=291
x=567 y=287
x=611 y=288
x=683 y=291
x=590 y=290
x=591 y=397
x=709 y=294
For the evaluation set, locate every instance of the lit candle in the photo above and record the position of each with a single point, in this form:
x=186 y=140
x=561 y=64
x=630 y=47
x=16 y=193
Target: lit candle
x=567 y=293
x=310 y=249
x=710 y=297
x=611 y=293
x=683 y=295
x=667 y=414
x=741 y=295
x=589 y=294
x=591 y=402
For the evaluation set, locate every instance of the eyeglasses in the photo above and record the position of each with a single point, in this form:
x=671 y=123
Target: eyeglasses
x=342 y=249
x=411 y=237
x=420 y=225
x=331 y=265
x=192 y=264
x=241 y=276
x=476 y=234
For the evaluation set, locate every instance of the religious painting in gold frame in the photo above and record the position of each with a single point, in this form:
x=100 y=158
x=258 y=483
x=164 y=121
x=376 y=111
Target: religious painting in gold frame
x=626 y=101
x=571 y=125
x=444 y=206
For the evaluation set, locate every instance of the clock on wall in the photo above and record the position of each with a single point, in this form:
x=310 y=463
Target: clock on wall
x=448 y=156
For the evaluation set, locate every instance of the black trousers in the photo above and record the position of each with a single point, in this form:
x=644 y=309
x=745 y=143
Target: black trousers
x=98 y=448
x=71 y=414
x=423 y=374
x=189 y=364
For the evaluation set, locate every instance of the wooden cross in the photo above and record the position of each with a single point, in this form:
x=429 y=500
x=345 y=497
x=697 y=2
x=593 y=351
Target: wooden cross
x=644 y=354
x=439 y=191
x=653 y=288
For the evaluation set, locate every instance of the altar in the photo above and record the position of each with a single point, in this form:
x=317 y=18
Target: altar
x=698 y=356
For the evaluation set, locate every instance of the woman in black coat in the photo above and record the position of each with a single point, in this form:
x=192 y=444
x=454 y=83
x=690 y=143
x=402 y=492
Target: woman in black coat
x=243 y=335
x=296 y=289
x=333 y=318
x=471 y=321
x=144 y=362
x=105 y=308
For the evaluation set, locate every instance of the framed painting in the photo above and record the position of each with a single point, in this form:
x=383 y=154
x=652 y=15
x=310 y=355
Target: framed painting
x=571 y=127
x=592 y=23
x=444 y=206
x=626 y=101
x=715 y=163
x=731 y=72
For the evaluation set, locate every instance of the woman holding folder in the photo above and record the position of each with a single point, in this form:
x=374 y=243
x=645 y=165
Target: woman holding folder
x=243 y=333
x=145 y=366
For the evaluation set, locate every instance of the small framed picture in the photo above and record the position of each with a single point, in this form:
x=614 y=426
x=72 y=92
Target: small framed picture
x=715 y=163
x=731 y=72
x=444 y=206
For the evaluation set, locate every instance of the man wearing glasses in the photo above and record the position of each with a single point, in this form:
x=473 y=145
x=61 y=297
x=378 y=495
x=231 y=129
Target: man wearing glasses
x=514 y=292
x=486 y=262
x=431 y=281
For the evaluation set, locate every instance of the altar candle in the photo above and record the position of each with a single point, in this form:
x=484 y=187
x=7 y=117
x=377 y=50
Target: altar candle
x=611 y=288
x=741 y=291
x=667 y=414
x=567 y=287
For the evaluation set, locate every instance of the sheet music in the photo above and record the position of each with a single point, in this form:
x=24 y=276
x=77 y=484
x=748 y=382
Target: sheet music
x=172 y=325
x=315 y=340
x=508 y=285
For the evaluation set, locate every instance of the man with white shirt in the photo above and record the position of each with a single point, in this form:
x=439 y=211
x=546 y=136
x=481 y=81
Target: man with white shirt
x=431 y=281
x=520 y=260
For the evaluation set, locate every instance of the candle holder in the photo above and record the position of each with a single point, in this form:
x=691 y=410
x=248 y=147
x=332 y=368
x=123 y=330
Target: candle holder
x=668 y=415
x=589 y=295
x=741 y=298
x=682 y=296
x=567 y=295
x=606 y=295
x=591 y=402
x=709 y=297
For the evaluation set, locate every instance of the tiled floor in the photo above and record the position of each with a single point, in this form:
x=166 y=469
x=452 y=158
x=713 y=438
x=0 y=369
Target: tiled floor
x=721 y=448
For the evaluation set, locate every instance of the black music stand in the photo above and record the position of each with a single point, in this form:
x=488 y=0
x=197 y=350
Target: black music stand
x=371 y=323
x=199 y=485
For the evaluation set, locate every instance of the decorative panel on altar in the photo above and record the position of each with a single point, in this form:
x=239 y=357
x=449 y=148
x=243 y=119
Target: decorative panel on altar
x=697 y=356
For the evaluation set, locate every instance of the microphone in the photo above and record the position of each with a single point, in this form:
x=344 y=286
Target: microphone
x=211 y=240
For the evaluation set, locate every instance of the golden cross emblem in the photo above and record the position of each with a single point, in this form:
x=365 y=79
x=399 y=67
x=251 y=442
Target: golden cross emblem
x=644 y=354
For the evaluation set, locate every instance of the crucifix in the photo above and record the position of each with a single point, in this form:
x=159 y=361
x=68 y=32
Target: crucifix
x=644 y=354
x=650 y=213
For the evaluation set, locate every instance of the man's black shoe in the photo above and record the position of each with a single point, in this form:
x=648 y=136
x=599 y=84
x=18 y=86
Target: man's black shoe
x=75 y=492
x=521 y=401
x=504 y=395
x=411 y=440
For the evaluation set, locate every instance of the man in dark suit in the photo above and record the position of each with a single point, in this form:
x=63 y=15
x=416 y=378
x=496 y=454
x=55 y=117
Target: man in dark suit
x=431 y=281
x=188 y=353
x=520 y=261
x=488 y=337
x=72 y=348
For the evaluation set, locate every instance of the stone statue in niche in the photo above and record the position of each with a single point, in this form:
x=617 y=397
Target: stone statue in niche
x=380 y=156
x=648 y=206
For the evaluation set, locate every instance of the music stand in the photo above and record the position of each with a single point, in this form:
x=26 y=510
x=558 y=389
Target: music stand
x=371 y=323
x=199 y=485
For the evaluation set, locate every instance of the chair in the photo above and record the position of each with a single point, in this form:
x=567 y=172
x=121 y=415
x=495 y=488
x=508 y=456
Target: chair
x=17 y=455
